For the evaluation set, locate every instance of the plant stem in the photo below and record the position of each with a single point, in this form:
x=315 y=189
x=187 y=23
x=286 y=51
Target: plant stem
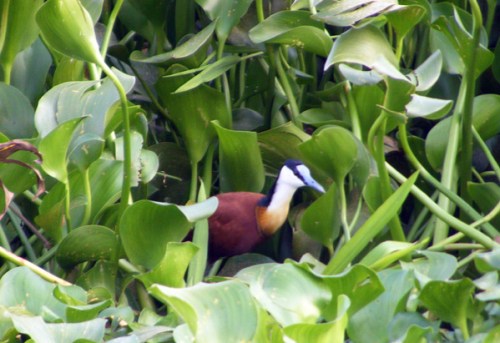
x=353 y=112
x=194 y=182
x=343 y=212
x=88 y=195
x=127 y=153
x=464 y=206
x=11 y=257
x=109 y=27
x=292 y=101
x=491 y=159
x=466 y=229
x=67 y=205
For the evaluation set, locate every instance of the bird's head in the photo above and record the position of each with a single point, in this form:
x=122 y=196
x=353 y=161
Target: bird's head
x=295 y=174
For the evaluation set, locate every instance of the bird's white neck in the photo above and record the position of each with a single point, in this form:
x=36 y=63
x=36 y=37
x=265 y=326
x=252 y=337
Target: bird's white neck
x=281 y=197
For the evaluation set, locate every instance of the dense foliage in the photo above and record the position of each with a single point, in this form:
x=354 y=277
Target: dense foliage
x=119 y=119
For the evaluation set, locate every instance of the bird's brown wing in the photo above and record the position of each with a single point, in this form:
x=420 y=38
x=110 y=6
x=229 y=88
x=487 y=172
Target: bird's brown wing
x=233 y=227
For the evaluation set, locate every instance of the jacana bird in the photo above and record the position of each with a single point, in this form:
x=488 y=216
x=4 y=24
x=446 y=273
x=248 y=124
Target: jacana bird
x=245 y=219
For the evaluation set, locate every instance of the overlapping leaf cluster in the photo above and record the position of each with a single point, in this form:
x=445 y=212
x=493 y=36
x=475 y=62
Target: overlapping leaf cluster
x=134 y=112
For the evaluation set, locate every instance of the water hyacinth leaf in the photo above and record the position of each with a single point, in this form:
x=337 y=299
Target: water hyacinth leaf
x=172 y=268
x=448 y=300
x=330 y=332
x=435 y=266
x=295 y=28
x=23 y=289
x=360 y=77
x=21 y=30
x=241 y=167
x=333 y=150
x=183 y=53
x=404 y=18
x=85 y=149
x=348 y=12
x=73 y=34
x=431 y=108
x=382 y=250
x=153 y=10
x=219 y=312
x=30 y=69
x=427 y=74
x=94 y=7
x=227 y=13
x=372 y=227
x=373 y=319
x=412 y=327
x=488 y=261
x=68 y=69
x=366 y=46
x=368 y=99
x=40 y=331
x=487 y=196
x=54 y=148
x=291 y=294
x=318 y=117
x=16 y=113
x=192 y=112
x=87 y=243
x=321 y=219
x=281 y=143
x=146 y=227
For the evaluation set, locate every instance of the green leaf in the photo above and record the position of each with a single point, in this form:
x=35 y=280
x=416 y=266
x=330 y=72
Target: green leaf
x=295 y=28
x=404 y=18
x=427 y=74
x=241 y=167
x=226 y=12
x=192 y=111
x=183 y=53
x=412 y=328
x=436 y=266
x=366 y=46
x=146 y=227
x=321 y=219
x=325 y=332
x=373 y=319
x=291 y=294
x=448 y=300
x=16 y=113
x=87 y=243
x=73 y=33
x=372 y=227
x=172 y=268
x=54 y=149
x=333 y=150
x=39 y=331
x=487 y=261
x=431 y=108
x=19 y=29
x=219 y=312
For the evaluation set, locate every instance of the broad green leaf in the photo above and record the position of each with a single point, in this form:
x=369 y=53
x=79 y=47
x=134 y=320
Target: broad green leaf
x=373 y=319
x=146 y=227
x=219 y=312
x=281 y=143
x=29 y=73
x=241 y=167
x=227 y=13
x=153 y=10
x=349 y=12
x=172 y=268
x=490 y=287
x=448 y=300
x=22 y=289
x=359 y=77
x=54 y=149
x=16 y=113
x=412 y=328
x=321 y=219
x=87 y=243
x=183 y=53
x=192 y=111
x=19 y=29
x=427 y=74
x=99 y=281
x=333 y=150
x=330 y=332
x=436 y=266
x=368 y=99
x=319 y=117
x=404 y=18
x=388 y=252
x=94 y=7
x=487 y=196
x=487 y=261
x=40 y=331
x=68 y=70
x=73 y=33
x=371 y=228
x=432 y=108
x=291 y=294
x=295 y=28
x=366 y=46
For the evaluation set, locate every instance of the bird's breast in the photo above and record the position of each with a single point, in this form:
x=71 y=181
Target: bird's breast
x=270 y=221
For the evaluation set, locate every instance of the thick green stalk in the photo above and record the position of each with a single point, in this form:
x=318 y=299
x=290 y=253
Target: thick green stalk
x=464 y=206
x=353 y=113
x=88 y=196
x=343 y=212
x=464 y=228
x=127 y=154
x=292 y=101
x=491 y=159
x=470 y=79
x=11 y=257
